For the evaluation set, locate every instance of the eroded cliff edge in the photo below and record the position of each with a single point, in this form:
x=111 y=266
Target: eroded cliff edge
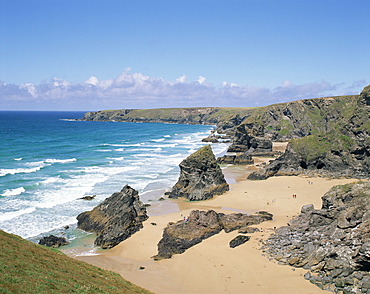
x=328 y=136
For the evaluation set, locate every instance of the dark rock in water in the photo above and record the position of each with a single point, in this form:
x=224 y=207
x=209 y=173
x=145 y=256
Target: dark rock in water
x=53 y=241
x=332 y=242
x=237 y=159
x=200 y=177
x=238 y=240
x=200 y=225
x=88 y=197
x=115 y=219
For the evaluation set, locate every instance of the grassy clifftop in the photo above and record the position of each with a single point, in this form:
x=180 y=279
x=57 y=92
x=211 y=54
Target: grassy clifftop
x=30 y=268
x=197 y=115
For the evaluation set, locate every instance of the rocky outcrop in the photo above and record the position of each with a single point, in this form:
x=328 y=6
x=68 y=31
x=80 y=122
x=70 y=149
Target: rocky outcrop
x=331 y=242
x=53 y=241
x=342 y=151
x=249 y=139
x=237 y=159
x=200 y=177
x=115 y=219
x=200 y=225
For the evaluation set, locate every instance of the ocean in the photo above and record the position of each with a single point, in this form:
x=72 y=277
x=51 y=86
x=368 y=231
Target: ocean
x=48 y=161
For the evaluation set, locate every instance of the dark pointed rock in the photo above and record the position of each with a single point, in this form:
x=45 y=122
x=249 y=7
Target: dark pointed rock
x=200 y=177
x=115 y=219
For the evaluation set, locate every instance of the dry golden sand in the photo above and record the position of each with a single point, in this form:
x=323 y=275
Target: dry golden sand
x=212 y=266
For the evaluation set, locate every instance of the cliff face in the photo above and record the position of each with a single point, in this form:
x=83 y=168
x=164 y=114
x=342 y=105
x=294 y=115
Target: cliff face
x=200 y=177
x=115 y=219
x=332 y=242
x=342 y=150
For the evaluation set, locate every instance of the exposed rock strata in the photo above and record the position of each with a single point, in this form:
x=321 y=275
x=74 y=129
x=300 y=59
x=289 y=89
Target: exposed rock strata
x=200 y=177
x=342 y=151
x=115 y=219
x=332 y=242
x=200 y=225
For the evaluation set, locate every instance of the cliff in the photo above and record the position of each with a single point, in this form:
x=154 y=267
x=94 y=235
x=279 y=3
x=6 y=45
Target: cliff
x=339 y=148
x=331 y=242
x=200 y=177
x=115 y=219
x=224 y=117
x=329 y=136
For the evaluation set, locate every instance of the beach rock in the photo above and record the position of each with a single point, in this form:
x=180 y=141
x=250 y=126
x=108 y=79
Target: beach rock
x=200 y=177
x=238 y=240
x=115 y=219
x=332 y=242
x=53 y=241
x=237 y=159
x=200 y=225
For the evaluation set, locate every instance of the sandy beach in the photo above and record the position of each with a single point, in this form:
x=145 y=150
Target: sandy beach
x=212 y=266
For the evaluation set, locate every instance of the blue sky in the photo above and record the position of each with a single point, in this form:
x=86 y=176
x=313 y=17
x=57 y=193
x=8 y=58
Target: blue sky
x=112 y=54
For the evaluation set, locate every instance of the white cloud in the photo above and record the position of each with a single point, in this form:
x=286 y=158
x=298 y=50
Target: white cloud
x=30 y=88
x=135 y=90
x=181 y=79
x=92 y=81
x=201 y=80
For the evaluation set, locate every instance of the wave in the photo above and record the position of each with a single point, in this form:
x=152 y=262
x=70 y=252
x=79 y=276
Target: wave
x=9 y=215
x=116 y=158
x=158 y=140
x=13 y=171
x=13 y=192
x=60 y=160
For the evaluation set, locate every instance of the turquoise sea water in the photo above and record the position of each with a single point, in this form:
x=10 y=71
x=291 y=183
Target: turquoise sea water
x=48 y=161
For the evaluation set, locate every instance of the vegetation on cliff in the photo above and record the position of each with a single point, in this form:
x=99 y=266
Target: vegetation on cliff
x=30 y=268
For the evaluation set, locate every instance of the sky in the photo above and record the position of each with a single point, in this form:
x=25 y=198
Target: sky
x=91 y=55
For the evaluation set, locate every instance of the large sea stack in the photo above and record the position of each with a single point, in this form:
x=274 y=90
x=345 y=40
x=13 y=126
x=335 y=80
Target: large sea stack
x=200 y=177
x=115 y=219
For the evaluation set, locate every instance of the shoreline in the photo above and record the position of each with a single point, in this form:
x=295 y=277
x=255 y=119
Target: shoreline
x=212 y=266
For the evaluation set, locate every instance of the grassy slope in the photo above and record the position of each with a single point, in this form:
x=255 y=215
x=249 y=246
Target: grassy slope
x=26 y=267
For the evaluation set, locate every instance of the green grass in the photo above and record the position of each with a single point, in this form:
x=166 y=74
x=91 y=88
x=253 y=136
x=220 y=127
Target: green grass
x=26 y=267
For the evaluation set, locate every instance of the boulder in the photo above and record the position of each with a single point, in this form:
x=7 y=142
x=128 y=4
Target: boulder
x=238 y=240
x=115 y=219
x=200 y=177
x=53 y=241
